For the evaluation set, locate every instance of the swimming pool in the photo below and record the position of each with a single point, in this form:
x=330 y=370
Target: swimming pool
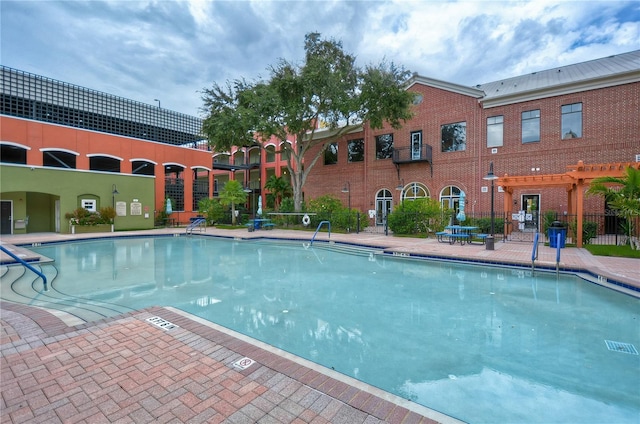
x=482 y=344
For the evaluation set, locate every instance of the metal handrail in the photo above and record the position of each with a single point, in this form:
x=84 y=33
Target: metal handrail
x=27 y=265
x=196 y=223
x=318 y=229
x=558 y=247
x=534 y=252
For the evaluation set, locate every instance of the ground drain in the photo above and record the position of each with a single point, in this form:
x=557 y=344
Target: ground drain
x=162 y=323
x=621 y=347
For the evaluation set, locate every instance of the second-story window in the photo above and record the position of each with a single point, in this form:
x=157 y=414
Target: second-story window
x=454 y=137
x=572 y=121
x=331 y=154
x=384 y=146
x=495 y=131
x=531 y=126
x=355 y=150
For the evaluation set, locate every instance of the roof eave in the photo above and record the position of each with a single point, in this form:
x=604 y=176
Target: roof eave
x=563 y=89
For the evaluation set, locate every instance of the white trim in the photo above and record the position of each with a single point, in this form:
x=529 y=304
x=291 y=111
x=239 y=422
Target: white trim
x=174 y=163
x=11 y=143
x=200 y=167
x=143 y=160
x=55 y=149
x=93 y=155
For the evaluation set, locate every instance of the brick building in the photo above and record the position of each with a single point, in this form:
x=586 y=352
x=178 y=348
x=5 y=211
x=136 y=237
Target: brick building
x=535 y=124
x=65 y=146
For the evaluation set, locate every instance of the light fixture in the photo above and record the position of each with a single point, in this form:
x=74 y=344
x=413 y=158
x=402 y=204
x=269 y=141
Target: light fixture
x=347 y=189
x=114 y=191
x=156 y=100
x=400 y=186
x=491 y=177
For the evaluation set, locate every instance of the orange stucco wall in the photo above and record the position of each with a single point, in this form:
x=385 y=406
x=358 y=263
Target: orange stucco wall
x=39 y=135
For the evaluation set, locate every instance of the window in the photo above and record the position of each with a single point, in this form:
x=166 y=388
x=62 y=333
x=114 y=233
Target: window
x=384 y=146
x=271 y=153
x=331 y=154
x=414 y=191
x=416 y=145
x=531 y=126
x=572 y=121
x=89 y=204
x=356 y=150
x=495 y=131
x=450 y=198
x=454 y=137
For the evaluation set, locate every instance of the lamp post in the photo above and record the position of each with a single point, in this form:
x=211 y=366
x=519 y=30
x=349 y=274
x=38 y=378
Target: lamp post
x=347 y=189
x=114 y=191
x=491 y=177
x=156 y=100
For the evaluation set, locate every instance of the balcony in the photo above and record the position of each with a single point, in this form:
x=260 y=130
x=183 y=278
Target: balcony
x=412 y=155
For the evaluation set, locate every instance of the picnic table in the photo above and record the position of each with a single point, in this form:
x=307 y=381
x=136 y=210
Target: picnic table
x=260 y=223
x=460 y=233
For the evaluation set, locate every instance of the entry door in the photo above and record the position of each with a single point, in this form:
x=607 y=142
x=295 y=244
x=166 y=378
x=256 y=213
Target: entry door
x=531 y=207
x=383 y=208
x=5 y=217
x=416 y=145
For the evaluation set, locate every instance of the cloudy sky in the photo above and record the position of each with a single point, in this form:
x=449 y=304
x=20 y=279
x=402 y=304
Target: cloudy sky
x=172 y=50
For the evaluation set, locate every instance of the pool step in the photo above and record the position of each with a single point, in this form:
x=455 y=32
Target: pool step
x=348 y=249
x=20 y=285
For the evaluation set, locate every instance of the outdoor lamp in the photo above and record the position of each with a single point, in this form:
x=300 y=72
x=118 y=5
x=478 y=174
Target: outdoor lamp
x=347 y=189
x=491 y=177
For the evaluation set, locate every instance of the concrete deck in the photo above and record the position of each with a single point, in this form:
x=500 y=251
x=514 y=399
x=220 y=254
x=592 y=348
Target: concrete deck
x=125 y=369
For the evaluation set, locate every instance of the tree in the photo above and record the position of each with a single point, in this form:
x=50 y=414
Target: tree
x=622 y=194
x=279 y=188
x=231 y=194
x=327 y=88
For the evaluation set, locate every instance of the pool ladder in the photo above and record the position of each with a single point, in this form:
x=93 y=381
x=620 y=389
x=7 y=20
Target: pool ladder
x=200 y=224
x=534 y=253
x=318 y=229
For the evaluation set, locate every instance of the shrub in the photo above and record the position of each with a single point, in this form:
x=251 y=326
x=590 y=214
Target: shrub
x=81 y=216
x=212 y=210
x=417 y=216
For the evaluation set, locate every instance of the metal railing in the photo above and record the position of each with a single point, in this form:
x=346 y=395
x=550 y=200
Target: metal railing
x=26 y=265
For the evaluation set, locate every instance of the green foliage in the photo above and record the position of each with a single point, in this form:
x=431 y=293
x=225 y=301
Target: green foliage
x=81 y=216
x=326 y=87
x=417 y=216
x=232 y=194
x=279 y=188
x=609 y=250
x=589 y=231
x=622 y=194
x=484 y=224
x=212 y=210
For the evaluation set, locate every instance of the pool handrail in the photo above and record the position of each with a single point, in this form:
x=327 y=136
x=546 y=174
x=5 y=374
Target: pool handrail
x=318 y=229
x=534 y=252
x=198 y=222
x=558 y=247
x=26 y=265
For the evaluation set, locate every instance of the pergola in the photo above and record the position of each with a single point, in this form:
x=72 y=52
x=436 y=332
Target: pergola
x=576 y=180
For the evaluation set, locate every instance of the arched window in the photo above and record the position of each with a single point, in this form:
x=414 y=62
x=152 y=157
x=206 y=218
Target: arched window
x=414 y=191
x=450 y=197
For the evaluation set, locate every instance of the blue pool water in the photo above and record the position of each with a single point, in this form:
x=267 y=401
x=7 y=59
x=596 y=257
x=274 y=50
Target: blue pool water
x=482 y=344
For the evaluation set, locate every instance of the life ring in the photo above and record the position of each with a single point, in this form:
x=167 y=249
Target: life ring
x=306 y=220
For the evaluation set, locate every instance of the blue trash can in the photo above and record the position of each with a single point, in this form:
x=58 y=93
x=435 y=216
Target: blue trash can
x=553 y=232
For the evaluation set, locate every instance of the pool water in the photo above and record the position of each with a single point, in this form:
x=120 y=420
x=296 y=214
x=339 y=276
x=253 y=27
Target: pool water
x=479 y=343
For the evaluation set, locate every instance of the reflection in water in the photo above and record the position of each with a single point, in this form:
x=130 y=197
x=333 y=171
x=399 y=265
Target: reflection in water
x=475 y=342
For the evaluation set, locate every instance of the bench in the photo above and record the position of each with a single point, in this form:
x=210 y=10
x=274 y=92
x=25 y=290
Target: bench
x=268 y=226
x=451 y=238
x=481 y=238
x=462 y=238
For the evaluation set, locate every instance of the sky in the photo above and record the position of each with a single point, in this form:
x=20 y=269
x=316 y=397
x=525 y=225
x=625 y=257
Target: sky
x=166 y=52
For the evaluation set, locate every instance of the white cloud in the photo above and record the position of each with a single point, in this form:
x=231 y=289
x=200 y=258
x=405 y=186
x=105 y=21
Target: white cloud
x=173 y=49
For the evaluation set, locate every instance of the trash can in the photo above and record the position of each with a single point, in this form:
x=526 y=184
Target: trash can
x=556 y=228
x=489 y=243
